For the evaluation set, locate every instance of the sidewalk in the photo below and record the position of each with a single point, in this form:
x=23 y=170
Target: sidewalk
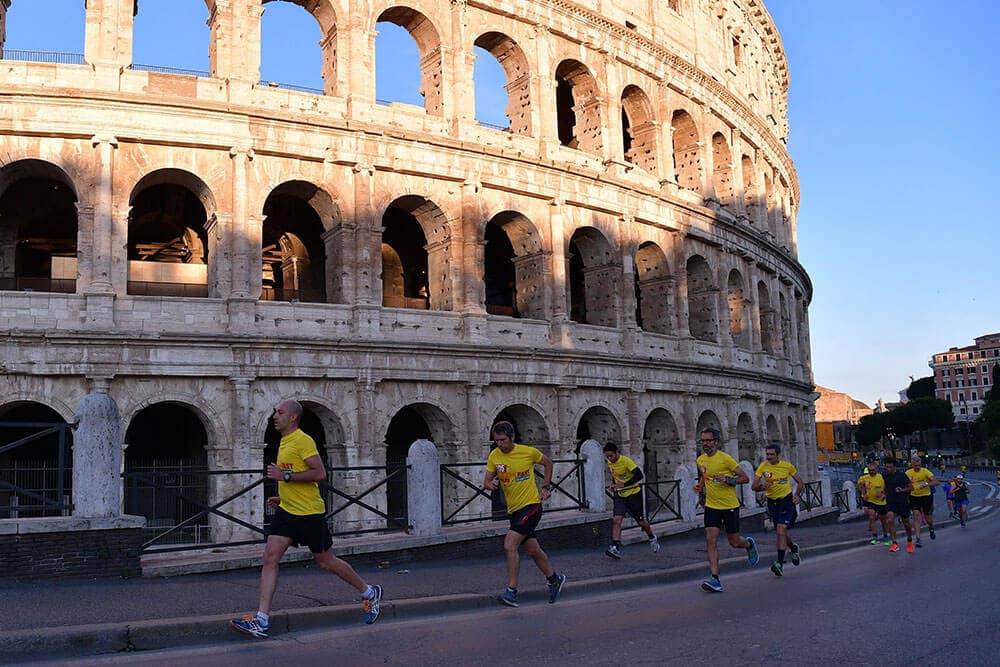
x=103 y=616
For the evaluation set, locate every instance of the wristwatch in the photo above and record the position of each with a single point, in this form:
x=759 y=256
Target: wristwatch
x=547 y=487
x=287 y=474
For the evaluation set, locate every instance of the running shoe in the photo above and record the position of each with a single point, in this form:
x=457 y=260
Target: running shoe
x=887 y=542
x=556 y=588
x=614 y=552
x=249 y=625
x=875 y=540
x=508 y=597
x=776 y=568
x=909 y=547
x=963 y=524
x=752 y=555
x=796 y=555
x=654 y=545
x=920 y=544
x=933 y=534
x=373 y=607
x=712 y=585
x=894 y=548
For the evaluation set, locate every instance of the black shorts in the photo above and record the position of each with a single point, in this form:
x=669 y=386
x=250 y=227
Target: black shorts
x=631 y=505
x=782 y=511
x=306 y=530
x=868 y=505
x=525 y=520
x=729 y=520
x=923 y=504
x=879 y=509
x=898 y=507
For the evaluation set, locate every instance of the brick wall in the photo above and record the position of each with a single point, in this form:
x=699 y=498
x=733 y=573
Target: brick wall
x=56 y=555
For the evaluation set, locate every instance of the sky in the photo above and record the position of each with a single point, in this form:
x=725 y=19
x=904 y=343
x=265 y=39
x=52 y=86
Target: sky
x=892 y=105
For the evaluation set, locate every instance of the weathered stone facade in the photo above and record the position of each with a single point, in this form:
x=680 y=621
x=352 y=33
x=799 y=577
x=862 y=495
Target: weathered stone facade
x=337 y=250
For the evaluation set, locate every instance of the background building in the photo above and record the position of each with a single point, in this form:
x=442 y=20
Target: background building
x=963 y=375
x=617 y=264
x=836 y=416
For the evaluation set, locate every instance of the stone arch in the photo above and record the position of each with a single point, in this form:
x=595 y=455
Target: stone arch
x=293 y=250
x=426 y=35
x=168 y=240
x=514 y=270
x=652 y=289
x=702 y=293
x=529 y=426
x=594 y=279
x=772 y=430
x=739 y=307
x=639 y=129
x=688 y=168
x=38 y=227
x=578 y=107
x=325 y=14
x=417 y=231
x=661 y=445
x=765 y=313
x=34 y=465
x=600 y=424
x=708 y=419
x=169 y=441
x=746 y=438
x=414 y=421
x=722 y=173
x=512 y=59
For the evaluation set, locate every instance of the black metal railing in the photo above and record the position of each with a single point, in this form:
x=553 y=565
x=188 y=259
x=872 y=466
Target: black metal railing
x=43 y=57
x=812 y=495
x=382 y=479
x=662 y=501
x=138 y=67
x=840 y=500
x=35 y=488
x=291 y=86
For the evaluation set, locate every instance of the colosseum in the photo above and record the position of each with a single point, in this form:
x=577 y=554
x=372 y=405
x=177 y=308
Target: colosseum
x=618 y=263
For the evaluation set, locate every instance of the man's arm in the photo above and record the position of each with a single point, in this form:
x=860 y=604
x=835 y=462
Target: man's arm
x=799 y=488
x=316 y=472
x=490 y=481
x=757 y=486
x=546 y=477
x=740 y=475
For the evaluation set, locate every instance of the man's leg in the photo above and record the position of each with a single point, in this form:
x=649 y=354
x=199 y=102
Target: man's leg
x=342 y=569
x=534 y=549
x=737 y=541
x=712 y=548
x=915 y=523
x=890 y=524
x=616 y=529
x=511 y=545
x=274 y=549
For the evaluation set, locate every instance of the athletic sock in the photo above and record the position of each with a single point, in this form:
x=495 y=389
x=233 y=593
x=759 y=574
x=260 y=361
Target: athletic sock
x=781 y=555
x=369 y=593
x=263 y=619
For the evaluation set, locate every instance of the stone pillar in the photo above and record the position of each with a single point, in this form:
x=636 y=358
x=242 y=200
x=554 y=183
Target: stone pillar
x=102 y=219
x=234 y=41
x=423 y=488
x=826 y=490
x=680 y=286
x=567 y=430
x=686 y=479
x=544 y=90
x=593 y=475
x=739 y=192
x=241 y=157
x=633 y=439
x=4 y=7
x=108 y=37
x=357 y=76
x=473 y=422
x=367 y=245
x=559 y=266
x=852 y=496
x=97 y=455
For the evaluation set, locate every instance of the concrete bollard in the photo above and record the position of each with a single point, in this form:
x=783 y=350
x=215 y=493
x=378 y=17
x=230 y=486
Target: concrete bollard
x=686 y=477
x=852 y=496
x=423 y=488
x=97 y=458
x=826 y=488
x=593 y=475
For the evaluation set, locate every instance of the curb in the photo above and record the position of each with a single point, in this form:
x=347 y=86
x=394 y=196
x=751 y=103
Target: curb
x=109 y=638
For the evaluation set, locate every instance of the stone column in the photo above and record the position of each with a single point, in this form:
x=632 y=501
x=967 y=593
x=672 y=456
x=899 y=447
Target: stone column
x=4 y=8
x=567 y=430
x=423 y=488
x=473 y=422
x=686 y=478
x=108 y=37
x=593 y=475
x=558 y=267
x=240 y=301
x=633 y=438
x=97 y=454
x=736 y=159
x=543 y=91
x=97 y=281
x=247 y=454
x=357 y=77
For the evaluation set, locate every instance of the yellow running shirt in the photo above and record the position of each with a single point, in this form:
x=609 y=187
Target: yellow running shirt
x=921 y=481
x=718 y=495
x=516 y=472
x=875 y=489
x=299 y=498
x=621 y=471
x=780 y=475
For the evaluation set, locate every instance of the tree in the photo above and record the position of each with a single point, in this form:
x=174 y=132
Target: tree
x=988 y=424
x=921 y=388
x=871 y=428
x=920 y=415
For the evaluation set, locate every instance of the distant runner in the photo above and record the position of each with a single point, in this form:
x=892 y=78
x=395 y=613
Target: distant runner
x=774 y=476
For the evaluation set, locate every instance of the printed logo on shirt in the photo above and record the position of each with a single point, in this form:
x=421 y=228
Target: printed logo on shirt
x=522 y=476
x=501 y=467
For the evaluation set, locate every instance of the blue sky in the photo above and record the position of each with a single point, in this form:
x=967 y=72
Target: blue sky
x=893 y=107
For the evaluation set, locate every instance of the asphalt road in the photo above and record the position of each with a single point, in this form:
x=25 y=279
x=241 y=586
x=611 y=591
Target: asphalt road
x=940 y=605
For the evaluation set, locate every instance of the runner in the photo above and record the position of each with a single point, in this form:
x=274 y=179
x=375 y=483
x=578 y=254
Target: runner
x=961 y=491
x=949 y=496
x=921 y=500
x=772 y=477
x=897 y=503
x=718 y=475
x=625 y=478
x=299 y=518
x=869 y=507
x=875 y=499
x=512 y=467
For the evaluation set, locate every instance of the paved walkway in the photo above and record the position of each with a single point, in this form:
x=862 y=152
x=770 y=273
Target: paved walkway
x=101 y=616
